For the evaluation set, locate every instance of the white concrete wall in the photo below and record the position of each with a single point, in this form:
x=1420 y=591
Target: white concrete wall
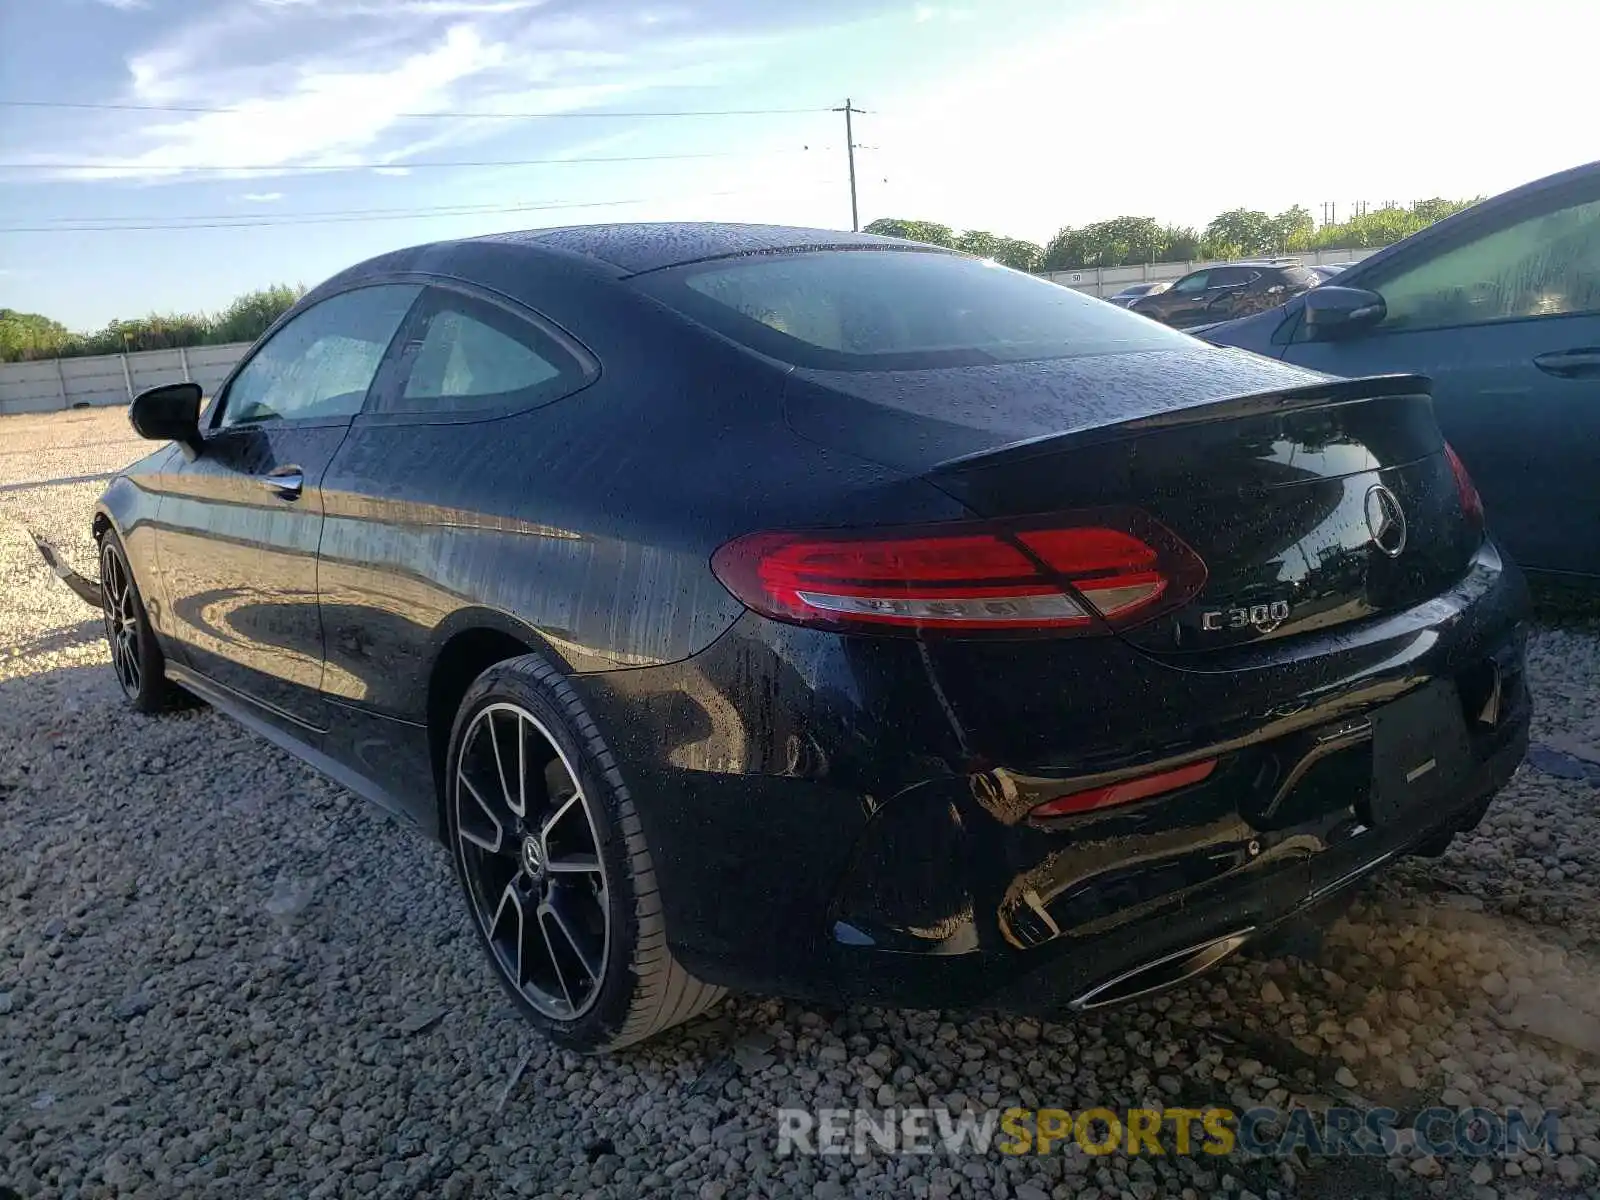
x=111 y=378
x=1107 y=281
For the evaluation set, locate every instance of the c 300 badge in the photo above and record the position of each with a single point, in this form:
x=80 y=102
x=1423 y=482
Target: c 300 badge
x=1263 y=618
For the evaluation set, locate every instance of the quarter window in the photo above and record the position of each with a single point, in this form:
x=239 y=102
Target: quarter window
x=468 y=355
x=321 y=363
x=1543 y=265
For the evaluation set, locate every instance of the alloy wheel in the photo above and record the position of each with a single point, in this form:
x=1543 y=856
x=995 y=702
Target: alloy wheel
x=531 y=856
x=121 y=612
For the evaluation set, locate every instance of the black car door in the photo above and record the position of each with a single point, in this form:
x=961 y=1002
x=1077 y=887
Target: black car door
x=1180 y=304
x=1503 y=315
x=421 y=503
x=240 y=525
x=1270 y=287
x=1225 y=288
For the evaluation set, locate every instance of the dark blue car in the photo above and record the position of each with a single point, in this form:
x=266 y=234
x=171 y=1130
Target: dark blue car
x=1500 y=305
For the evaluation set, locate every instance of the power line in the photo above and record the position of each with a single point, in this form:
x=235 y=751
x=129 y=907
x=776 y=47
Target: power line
x=283 y=213
x=420 y=116
x=398 y=165
x=418 y=214
x=358 y=215
x=260 y=220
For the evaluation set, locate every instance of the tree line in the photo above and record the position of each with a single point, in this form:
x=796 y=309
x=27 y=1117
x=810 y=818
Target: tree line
x=28 y=336
x=1128 y=241
x=1121 y=241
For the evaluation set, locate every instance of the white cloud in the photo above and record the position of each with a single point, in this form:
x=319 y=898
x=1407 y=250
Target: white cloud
x=458 y=7
x=262 y=197
x=347 y=8
x=332 y=114
x=327 y=84
x=126 y=5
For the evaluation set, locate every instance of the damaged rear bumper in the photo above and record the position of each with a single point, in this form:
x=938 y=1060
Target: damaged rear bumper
x=86 y=589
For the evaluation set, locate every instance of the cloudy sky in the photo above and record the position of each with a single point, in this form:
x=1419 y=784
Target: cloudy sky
x=1017 y=116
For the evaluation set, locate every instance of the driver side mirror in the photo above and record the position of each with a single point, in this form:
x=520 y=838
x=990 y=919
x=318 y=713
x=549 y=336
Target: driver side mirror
x=169 y=413
x=1334 y=312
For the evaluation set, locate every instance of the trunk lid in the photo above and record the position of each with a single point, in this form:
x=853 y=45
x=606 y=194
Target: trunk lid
x=1311 y=505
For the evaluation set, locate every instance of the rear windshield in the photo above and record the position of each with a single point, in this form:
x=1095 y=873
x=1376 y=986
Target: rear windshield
x=1299 y=276
x=846 y=310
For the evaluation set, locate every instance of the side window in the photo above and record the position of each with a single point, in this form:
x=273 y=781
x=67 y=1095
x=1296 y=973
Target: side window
x=321 y=363
x=1232 y=276
x=465 y=355
x=1543 y=265
x=1193 y=283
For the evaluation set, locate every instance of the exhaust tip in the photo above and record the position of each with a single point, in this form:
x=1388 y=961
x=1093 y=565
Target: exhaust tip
x=1162 y=973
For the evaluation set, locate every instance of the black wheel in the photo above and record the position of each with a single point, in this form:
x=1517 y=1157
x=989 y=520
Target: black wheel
x=553 y=862
x=136 y=657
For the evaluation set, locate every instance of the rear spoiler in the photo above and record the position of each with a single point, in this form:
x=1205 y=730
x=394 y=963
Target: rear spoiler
x=1316 y=395
x=86 y=589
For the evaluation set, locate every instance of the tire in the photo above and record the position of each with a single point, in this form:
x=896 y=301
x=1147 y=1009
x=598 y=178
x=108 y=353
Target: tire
x=136 y=657
x=563 y=893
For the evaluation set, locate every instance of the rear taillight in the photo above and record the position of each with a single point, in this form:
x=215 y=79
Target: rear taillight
x=1127 y=791
x=1471 y=502
x=1076 y=572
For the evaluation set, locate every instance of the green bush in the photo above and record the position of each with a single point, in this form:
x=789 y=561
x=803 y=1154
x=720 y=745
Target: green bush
x=1127 y=241
x=28 y=336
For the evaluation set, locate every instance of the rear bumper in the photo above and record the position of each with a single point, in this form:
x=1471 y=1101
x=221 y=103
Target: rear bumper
x=831 y=817
x=1253 y=908
x=1021 y=954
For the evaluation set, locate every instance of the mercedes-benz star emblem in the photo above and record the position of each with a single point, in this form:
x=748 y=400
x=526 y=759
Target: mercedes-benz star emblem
x=533 y=858
x=1386 y=520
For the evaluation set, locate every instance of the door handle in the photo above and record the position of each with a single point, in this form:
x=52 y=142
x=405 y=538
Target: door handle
x=285 y=483
x=1570 y=364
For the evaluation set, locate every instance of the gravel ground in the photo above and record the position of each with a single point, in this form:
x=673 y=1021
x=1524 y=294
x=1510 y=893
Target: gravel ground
x=222 y=976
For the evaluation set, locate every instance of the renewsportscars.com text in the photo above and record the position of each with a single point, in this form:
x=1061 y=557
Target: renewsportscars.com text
x=1216 y=1131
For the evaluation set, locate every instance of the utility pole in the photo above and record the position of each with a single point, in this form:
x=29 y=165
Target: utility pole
x=850 y=150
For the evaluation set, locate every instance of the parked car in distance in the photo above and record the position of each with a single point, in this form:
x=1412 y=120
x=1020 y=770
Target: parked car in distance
x=1135 y=290
x=1500 y=306
x=1326 y=271
x=1221 y=292
x=672 y=576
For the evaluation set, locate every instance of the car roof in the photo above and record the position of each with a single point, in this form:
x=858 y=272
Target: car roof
x=613 y=251
x=635 y=247
x=1247 y=262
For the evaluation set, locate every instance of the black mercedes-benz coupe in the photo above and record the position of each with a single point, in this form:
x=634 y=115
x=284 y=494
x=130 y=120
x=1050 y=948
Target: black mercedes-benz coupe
x=786 y=610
